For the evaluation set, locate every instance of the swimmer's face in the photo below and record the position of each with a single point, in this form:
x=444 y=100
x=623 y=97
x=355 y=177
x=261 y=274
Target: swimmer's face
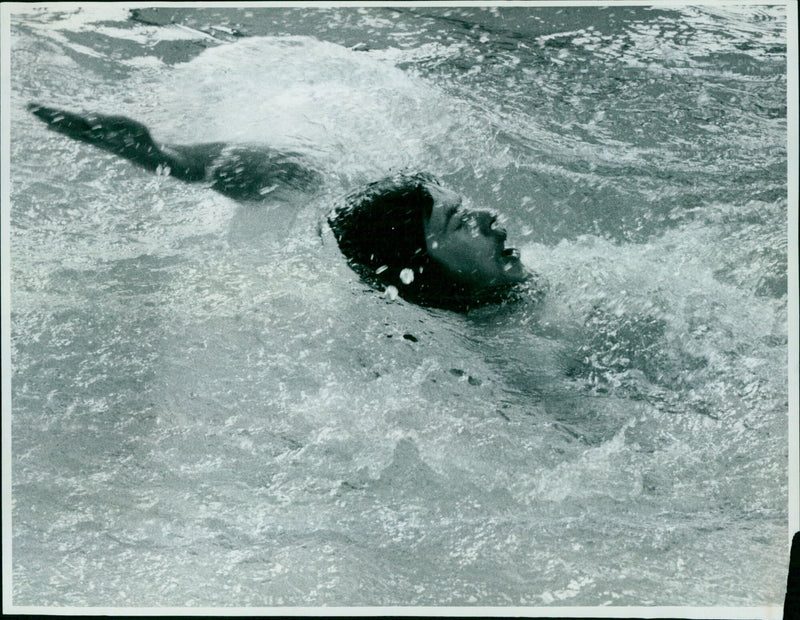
x=470 y=244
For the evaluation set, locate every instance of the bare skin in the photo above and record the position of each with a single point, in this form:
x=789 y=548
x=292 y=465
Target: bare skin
x=243 y=172
x=470 y=243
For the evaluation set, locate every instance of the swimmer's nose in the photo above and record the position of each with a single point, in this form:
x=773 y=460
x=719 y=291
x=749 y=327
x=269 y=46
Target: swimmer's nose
x=488 y=224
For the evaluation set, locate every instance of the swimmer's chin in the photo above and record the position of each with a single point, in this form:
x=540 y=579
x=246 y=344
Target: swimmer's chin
x=514 y=270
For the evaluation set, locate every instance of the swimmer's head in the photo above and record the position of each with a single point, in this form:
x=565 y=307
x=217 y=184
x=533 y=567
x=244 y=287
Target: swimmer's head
x=409 y=232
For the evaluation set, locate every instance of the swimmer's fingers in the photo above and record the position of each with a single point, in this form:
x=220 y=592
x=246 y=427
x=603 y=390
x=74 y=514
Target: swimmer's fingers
x=61 y=120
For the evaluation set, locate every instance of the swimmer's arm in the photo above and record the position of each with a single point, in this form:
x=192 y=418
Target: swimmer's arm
x=241 y=172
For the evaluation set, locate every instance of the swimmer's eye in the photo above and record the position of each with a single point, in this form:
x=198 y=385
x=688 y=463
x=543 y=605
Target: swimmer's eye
x=452 y=211
x=459 y=214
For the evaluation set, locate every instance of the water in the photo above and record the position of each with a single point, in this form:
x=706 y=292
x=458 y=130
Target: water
x=209 y=408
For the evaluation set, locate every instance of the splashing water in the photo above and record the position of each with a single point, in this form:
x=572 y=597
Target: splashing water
x=209 y=408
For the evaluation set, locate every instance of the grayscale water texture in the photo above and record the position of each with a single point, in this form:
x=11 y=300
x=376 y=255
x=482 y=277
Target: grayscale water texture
x=209 y=408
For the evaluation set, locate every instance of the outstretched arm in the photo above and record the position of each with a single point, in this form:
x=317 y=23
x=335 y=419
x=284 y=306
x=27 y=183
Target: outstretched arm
x=241 y=172
x=122 y=136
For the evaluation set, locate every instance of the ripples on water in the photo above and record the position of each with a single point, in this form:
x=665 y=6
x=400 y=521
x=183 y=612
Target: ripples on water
x=207 y=414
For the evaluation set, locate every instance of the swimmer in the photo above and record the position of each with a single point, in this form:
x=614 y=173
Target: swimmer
x=409 y=232
x=406 y=231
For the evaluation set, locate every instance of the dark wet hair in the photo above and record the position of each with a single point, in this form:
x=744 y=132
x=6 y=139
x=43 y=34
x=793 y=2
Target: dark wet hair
x=380 y=230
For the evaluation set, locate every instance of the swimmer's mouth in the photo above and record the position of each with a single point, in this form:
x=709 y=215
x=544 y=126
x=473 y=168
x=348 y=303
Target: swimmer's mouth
x=510 y=253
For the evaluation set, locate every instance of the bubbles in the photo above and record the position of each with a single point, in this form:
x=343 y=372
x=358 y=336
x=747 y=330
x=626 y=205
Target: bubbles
x=407 y=276
x=391 y=293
